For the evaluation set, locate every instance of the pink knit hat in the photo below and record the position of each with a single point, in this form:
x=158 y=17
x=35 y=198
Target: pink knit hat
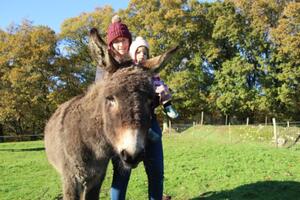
x=138 y=42
x=117 y=29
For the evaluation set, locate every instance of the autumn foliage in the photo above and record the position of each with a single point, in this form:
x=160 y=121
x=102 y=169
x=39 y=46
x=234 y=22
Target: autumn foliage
x=239 y=58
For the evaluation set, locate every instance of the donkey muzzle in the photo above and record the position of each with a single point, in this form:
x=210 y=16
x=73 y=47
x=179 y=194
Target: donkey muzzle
x=132 y=161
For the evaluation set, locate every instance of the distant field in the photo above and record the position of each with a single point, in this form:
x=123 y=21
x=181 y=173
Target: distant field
x=209 y=163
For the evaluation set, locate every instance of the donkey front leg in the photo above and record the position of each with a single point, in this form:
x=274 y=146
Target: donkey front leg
x=71 y=189
x=94 y=189
x=93 y=193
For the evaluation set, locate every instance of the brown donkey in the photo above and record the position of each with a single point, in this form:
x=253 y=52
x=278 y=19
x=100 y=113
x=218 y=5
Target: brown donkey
x=112 y=117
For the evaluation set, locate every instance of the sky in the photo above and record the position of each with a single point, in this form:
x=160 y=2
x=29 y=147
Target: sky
x=50 y=12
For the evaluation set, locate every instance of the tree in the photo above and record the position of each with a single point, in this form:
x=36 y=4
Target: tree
x=1 y=133
x=26 y=57
x=75 y=68
x=237 y=57
x=233 y=93
x=286 y=39
x=74 y=40
x=275 y=72
x=167 y=23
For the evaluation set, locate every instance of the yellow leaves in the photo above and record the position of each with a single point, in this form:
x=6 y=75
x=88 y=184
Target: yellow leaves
x=174 y=14
x=212 y=53
x=75 y=23
x=262 y=14
x=292 y=11
x=287 y=34
x=172 y=3
x=78 y=27
x=28 y=46
x=15 y=75
x=25 y=57
x=8 y=104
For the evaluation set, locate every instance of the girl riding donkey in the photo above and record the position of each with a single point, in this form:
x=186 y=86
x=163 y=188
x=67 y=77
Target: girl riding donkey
x=139 y=52
x=118 y=40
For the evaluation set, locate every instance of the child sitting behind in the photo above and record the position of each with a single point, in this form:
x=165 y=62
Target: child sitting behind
x=139 y=52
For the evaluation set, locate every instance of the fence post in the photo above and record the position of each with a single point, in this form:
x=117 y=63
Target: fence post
x=230 y=140
x=247 y=121
x=275 y=131
x=202 y=115
x=1 y=133
x=194 y=125
x=288 y=124
x=266 y=120
x=165 y=126
x=226 y=118
x=170 y=126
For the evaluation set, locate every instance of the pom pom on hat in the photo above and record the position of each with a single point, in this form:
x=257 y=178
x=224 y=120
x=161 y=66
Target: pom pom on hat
x=115 y=19
x=138 y=42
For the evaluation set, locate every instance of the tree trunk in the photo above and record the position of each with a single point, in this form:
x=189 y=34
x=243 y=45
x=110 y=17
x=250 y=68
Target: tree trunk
x=1 y=133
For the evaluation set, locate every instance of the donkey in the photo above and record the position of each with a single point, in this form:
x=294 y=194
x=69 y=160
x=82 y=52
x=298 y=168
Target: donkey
x=111 y=118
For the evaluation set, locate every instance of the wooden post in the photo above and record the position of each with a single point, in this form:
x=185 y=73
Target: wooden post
x=275 y=132
x=247 y=121
x=194 y=125
x=165 y=126
x=1 y=133
x=202 y=115
x=266 y=120
x=226 y=118
x=229 y=130
x=170 y=126
x=288 y=124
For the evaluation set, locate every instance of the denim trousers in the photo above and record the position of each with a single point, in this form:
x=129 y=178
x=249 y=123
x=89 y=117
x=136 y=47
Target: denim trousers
x=154 y=167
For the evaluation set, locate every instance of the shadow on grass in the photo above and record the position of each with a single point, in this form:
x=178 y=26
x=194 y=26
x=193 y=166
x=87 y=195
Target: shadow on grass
x=267 y=190
x=21 y=150
x=58 y=197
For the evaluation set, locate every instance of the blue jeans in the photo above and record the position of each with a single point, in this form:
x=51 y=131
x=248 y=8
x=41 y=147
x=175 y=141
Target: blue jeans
x=154 y=166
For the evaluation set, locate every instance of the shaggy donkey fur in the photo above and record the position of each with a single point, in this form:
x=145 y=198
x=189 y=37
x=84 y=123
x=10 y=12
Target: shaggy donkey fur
x=112 y=117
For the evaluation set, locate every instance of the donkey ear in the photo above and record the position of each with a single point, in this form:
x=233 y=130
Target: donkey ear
x=158 y=62
x=99 y=52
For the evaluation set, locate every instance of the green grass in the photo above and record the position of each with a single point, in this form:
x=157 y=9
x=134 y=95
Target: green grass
x=209 y=162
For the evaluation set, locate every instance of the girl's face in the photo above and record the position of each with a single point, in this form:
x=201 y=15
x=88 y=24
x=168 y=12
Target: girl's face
x=141 y=54
x=121 y=45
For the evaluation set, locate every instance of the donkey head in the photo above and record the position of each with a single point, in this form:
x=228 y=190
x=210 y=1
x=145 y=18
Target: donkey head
x=126 y=101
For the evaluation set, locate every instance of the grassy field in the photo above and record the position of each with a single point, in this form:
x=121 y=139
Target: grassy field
x=209 y=163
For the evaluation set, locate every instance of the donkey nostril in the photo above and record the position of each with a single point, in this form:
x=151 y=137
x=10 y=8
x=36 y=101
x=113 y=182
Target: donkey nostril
x=124 y=155
x=132 y=160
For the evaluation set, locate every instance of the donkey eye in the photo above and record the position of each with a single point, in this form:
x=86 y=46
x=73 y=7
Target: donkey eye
x=110 y=98
x=111 y=101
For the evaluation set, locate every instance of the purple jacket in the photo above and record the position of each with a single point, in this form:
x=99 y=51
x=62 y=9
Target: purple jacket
x=161 y=89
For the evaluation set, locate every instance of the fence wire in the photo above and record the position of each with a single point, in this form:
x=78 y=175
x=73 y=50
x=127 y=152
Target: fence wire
x=287 y=133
